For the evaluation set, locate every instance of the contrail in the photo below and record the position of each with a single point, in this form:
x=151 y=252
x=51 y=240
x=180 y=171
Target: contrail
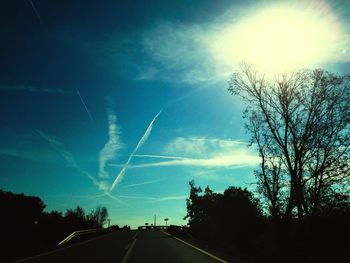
x=82 y=101
x=69 y=158
x=138 y=146
x=160 y=156
x=147 y=133
x=35 y=11
x=143 y=183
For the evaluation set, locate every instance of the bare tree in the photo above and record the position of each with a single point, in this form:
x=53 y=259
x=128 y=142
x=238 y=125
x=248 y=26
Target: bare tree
x=99 y=216
x=300 y=123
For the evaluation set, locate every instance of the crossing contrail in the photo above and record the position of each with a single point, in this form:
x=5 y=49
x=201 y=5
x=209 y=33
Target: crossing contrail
x=138 y=146
x=83 y=102
x=35 y=11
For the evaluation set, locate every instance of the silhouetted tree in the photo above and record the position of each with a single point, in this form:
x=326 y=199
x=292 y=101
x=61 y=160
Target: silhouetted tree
x=300 y=123
x=19 y=210
x=233 y=217
x=98 y=216
x=195 y=213
x=27 y=229
x=76 y=219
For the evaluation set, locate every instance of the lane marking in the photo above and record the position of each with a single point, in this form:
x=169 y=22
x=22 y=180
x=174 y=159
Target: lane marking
x=128 y=253
x=197 y=248
x=60 y=249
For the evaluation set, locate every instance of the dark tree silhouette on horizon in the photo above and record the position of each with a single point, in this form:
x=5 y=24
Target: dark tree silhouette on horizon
x=26 y=228
x=231 y=219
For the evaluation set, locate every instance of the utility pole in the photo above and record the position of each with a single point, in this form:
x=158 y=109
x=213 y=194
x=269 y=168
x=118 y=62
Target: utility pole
x=109 y=222
x=155 y=220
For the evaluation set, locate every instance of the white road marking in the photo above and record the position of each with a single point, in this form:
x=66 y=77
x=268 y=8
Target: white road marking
x=197 y=248
x=128 y=253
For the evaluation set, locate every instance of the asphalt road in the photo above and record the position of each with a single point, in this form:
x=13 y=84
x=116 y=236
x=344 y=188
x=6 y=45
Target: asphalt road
x=129 y=246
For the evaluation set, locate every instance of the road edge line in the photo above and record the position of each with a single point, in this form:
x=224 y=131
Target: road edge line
x=197 y=248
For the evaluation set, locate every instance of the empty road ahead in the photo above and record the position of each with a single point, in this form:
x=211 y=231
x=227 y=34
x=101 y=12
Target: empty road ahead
x=129 y=246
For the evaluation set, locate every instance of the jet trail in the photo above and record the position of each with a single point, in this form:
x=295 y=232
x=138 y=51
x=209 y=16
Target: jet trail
x=35 y=11
x=69 y=158
x=147 y=133
x=83 y=102
x=138 y=146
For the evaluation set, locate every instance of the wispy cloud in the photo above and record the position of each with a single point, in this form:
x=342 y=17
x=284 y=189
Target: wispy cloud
x=203 y=152
x=238 y=160
x=178 y=48
x=28 y=154
x=84 y=104
x=58 y=146
x=113 y=145
x=142 y=141
x=187 y=147
x=155 y=199
x=141 y=184
x=69 y=158
x=203 y=147
x=171 y=198
x=29 y=88
x=159 y=156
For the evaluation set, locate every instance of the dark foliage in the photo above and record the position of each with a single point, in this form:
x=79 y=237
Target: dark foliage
x=26 y=229
x=231 y=220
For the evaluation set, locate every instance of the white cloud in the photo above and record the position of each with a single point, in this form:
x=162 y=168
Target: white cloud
x=113 y=145
x=187 y=147
x=148 y=74
x=103 y=185
x=203 y=152
x=239 y=159
x=205 y=147
x=178 y=48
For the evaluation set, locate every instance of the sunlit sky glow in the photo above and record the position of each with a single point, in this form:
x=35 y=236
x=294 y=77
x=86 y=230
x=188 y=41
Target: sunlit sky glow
x=280 y=37
x=122 y=104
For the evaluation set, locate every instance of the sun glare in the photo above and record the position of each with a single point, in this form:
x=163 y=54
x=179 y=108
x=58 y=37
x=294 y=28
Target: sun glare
x=279 y=38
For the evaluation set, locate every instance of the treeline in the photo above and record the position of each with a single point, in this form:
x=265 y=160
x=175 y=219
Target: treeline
x=236 y=222
x=27 y=228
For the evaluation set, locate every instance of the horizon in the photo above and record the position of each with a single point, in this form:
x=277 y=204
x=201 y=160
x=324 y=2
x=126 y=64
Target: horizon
x=122 y=104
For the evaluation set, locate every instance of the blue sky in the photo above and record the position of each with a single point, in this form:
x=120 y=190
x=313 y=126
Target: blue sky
x=122 y=103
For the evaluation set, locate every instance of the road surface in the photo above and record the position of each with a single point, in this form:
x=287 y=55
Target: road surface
x=129 y=247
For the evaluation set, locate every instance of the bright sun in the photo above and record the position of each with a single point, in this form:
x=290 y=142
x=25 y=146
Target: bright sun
x=279 y=38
